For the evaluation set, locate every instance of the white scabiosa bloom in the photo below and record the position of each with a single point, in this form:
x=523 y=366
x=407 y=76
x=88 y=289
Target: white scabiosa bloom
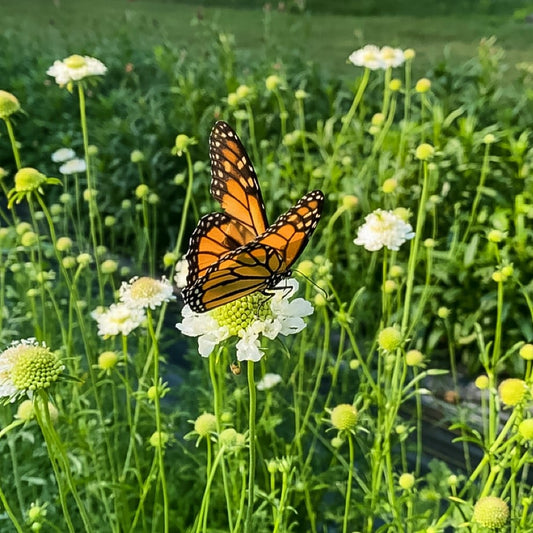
x=369 y=57
x=76 y=68
x=140 y=293
x=180 y=276
x=63 y=154
x=392 y=57
x=25 y=367
x=383 y=229
x=375 y=58
x=248 y=318
x=73 y=166
x=268 y=381
x=118 y=319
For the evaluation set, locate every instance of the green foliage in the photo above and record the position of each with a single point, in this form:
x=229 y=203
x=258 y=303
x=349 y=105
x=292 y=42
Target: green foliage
x=459 y=291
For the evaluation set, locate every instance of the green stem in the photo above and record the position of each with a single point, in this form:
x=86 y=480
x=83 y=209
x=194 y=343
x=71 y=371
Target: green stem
x=479 y=191
x=415 y=244
x=186 y=202
x=157 y=404
x=9 y=512
x=13 y=141
x=92 y=206
x=252 y=455
x=348 y=495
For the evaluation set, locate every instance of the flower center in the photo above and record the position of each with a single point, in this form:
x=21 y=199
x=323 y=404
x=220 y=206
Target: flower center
x=241 y=313
x=35 y=367
x=75 y=61
x=144 y=288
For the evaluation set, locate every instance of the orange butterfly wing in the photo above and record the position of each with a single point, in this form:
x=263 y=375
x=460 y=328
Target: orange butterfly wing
x=234 y=182
x=236 y=253
x=259 y=264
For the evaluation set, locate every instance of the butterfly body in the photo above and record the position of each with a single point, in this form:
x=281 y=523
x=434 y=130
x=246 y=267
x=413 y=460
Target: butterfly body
x=236 y=252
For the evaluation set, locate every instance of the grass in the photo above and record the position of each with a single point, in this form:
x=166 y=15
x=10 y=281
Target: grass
x=325 y=38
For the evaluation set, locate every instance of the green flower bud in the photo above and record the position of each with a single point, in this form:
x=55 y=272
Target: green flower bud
x=344 y=417
x=389 y=339
x=491 y=512
x=205 y=424
x=8 y=104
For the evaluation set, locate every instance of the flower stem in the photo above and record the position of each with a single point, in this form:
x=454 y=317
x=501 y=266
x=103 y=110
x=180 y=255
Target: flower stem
x=186 y=202
x=9 y=512
x=13 y=141
x=157 y=404
x=252 y=455
x=92 y=205
x=348 y=495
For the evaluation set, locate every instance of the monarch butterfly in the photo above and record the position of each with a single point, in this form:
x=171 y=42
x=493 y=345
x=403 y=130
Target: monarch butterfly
x=235 y=252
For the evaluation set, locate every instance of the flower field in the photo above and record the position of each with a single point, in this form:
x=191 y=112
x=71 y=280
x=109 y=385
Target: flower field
x=246 y=296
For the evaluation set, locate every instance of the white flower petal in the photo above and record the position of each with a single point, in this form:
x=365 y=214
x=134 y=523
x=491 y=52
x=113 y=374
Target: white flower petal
x=268 y=381
x=248 y=349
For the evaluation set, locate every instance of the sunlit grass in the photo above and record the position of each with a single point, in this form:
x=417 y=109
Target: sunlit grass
x=321 y=37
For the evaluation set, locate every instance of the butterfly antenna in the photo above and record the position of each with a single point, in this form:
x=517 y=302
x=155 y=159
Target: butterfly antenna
x=323 y=291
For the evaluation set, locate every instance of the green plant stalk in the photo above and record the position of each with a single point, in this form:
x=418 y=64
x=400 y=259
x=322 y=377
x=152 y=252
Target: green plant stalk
x=132 y=449
x=479 y=191
x=351 y=112
x=415 y=245
x=185 y=210
x=282 y=501
x=308 y=165
x=423 y=105
x=378 y=141
x=9 y=512
x=252 y=455
x=46 y=426
x=385 y=310
x=496 y=350
x=147 y=244
x=92 y=206
x=13 y=141
x=202 y=515
x=144 y=493
x=251 y=127
x=386 y=91
x=348 y=495
x=13 y=455
x=157 y=404
x=217 y=405
x=400 y=159
x=40 y=261
x=283 y=115
x=453 y=369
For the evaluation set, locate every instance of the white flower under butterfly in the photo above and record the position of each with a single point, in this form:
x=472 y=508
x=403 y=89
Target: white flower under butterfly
x=248 y=318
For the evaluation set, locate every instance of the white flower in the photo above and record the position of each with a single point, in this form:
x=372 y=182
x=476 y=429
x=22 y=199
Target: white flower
x=248 y=319
x=392 y=57
x=75 y=68
x=374 y=58
x=180 y=277
x=73 y=166
x=203 y=326
x=369 y=56
x=145 y=292
x=268 y=381
x=383 y=228
x=27 y=366
x=118 y=319
x=63 y=154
